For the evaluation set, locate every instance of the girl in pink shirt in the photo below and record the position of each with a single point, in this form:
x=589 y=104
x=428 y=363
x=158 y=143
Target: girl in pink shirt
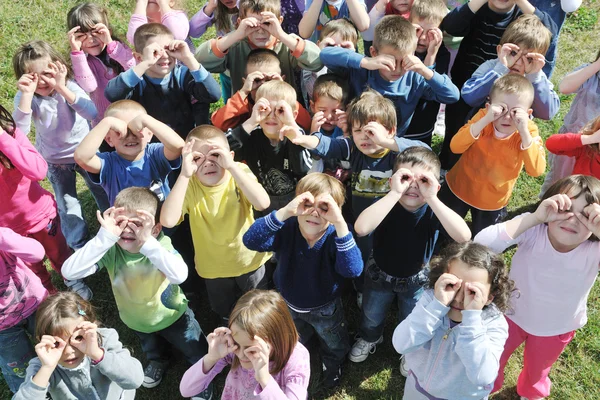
x=166 y=12
x=261 y=345
x=554 y=269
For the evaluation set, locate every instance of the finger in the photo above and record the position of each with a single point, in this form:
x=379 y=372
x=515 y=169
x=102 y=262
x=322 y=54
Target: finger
x=72 y=31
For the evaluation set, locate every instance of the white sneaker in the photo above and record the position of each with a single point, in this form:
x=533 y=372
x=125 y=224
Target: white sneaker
x=403 y=370
x=78 y=286
x=359 y=297
x=361 y=349
x=440 y=123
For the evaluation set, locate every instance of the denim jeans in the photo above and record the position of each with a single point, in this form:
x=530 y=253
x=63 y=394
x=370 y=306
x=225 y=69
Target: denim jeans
x=556 y=13
x=63 y=180
x=380 y=291
x=184 y=334
x=329 y=323
x=16 y=351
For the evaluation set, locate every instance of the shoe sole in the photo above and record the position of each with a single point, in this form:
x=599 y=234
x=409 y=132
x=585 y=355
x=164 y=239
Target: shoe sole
x=151 y=385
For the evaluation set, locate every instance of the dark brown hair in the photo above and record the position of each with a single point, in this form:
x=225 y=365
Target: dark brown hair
x=421 y=156
x=333 y=86
x=589 y=129
x=529 y=33
x=7 y=124
x=257 y=6
x=343 y=27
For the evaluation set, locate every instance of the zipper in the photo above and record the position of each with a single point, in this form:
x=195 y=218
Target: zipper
x=437 y=358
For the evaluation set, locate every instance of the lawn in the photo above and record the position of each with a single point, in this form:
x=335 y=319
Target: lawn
x=576 y=376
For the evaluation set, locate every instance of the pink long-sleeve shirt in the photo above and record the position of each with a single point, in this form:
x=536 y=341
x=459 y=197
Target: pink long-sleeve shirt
x=93 y=75
x=21 y=291
x=176 y=21
x=290 y=383
x=25 y=207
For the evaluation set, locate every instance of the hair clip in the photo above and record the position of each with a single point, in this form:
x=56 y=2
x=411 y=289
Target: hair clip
x=28 y=47
x=80 y=311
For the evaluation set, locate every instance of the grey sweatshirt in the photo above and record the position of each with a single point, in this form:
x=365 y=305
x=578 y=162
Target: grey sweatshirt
x=114 y=378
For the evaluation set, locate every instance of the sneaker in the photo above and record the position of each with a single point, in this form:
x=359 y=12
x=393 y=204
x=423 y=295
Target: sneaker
x=78 y=286
x=153 y=374
x=331 y=377
x=207 y=394
x=361 y=349
x=440 y=123
x=359 y=297
x=403 y=370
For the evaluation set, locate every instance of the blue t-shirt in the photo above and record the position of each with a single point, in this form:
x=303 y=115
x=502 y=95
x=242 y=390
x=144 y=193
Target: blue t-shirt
x=150 y=171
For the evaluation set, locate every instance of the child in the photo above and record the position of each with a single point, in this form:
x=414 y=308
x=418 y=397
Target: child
x=426 y=16
x=21 y=292
x=178 y=95
x=585 y=82
x=405 y=221
x=495 y=145
x=481 y=23
x=166 y=12
x=555 y=267
x=218 y=194
x=277 y=162
x=260 y=337
x=583 y=147
x=520 y=51
x=76 y=359
x=135 y=161
x=144 y=272
x=315 y=253
x=259 y=26
x=96 y=56
x=262 y=66
x=317 y=13
x=453 y=339
x=392 y=70
x=380 y=10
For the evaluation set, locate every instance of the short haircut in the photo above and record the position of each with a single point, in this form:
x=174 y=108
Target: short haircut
x=513 y=84
x=343 y=27
x=257 y=6
x=332 y=86
x=52 y=314
x=265 y=313
x=147 y=32
x=429 y=10
x=318 y=183
x=529 y=33
x=371 y=106
x=206 y=132
x=396 y=32
x=32 y=51
x=421 y=156
x=276 y=90
x=262 y=56
x=138 y=198
x=123 y=105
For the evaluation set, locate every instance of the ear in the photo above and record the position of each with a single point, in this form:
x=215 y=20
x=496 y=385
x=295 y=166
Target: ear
x=487 y=106
x=156 y=229
x=232 y=154
x=109 y=140
x=392 y=132
x=295 y=113
x=283 y=77
x=138 y=57
x=280 y=20
x=498 y=48
x=373 y=51
x=244 y=80
x=312 y=106
x=489 y=301
x=530 y=111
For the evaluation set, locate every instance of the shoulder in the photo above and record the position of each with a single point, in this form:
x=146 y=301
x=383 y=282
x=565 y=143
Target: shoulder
x=110 y=337
x=299 y=359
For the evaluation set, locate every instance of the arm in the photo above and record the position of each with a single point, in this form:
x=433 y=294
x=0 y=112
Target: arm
x=23 y=155
x=337 y=58
x=122 y=86
x=525 y=6
x=476 y=90
x=296 y=376
x=252 y=190
x=23 y=247
x=173 y=205
x=348 y=260
x=230 y=115
x=200 y=22
x=200 y=84
x=121 y=54
x=358 y=14
x=28 y=389
x=173 y=143
x=371 y=217
x=567 y=144
x=501 y=236
x=573 y=81
x=85 y=154
x=81 y=101
x=327 y=147
x=308 y=23
x=453 y=224
x=468 y=134
x=82 y=71
x=375 y=15
x=84 y=261
x=118 y=365
x=23 y=111
x=195 y=380
x=138 y=18
x=545 y=100
x=262 y=234
x=167 y=261
x=458 y=21
x=480 y=346
x=440 y=88
x=535 y=155
x=177 y=22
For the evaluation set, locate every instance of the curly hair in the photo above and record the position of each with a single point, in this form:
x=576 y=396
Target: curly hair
x=477 y=256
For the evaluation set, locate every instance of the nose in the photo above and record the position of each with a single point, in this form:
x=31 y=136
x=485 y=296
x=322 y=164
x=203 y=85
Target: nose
x=460 y=296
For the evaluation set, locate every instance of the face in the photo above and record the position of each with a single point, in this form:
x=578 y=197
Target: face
x=132 y=146
x=165 y=64
x=243 y=341
x=209 y=173
x=90 y=44
x=412 y=199
x=335 y=40
x=40 y=67
x=364 y=142
x=313 y=225
x=328 y=106
x=519 y=64
x=423 y=36
x=501 y=6
x=568 y=234
x=468 y=274
x=402 y=6
x=397 y=73
x=71 y=357
x=260 y=37
x=268 y=70
x=272 y=124
x=505 y=124
x=129 y=240
x=229 y=3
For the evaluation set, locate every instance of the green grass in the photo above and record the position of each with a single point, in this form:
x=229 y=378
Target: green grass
x=576 y=375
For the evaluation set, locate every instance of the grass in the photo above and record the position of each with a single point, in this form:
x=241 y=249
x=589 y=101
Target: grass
x=576 y=375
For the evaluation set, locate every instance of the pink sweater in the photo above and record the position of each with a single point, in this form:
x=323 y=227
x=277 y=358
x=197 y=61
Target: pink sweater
x=176 y=21
x=21 y=291
x=289 y=383
x=25 y=207
x=93 y=76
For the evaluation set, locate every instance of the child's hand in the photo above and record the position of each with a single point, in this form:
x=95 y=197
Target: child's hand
x=328 y=209
x=117 y=125
x=261 y=110
x=446 y=287
x=152 y=53
x=220 y=343
x=317 y=121
x=428 y=185
x=85 y=339
x=259 y=357
x=49 y=350
x=401 y=180
x=435 y=37
x=590 y=218
x=342 y=120
x=211 y=6
x=554 y=208
x=179 y=50
x=521 y=118
x=509 y=54
x=381 y=62
x=271 y=24
x=27 y=83
x=142 y=225
x=593 y=138
x=101 y=32
x=137 y=124
x=192 y=160
x=293 y=134
x=284 y=113
x=221 y=157
x=252 y=82
x=413 y=63
x=303 y=204
x=55 y=76
x=377 y=133
x=534 y=62
x=474 y=299
x=496 y=110
x=246 y=27
x=74 y=40
x=112 y=221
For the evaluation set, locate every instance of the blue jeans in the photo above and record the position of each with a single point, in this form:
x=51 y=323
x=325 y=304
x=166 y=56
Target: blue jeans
x=556 y=13
x=184 y=334
x=329 y=323
x=380 y=290
x=16 y=351
x=63 y=180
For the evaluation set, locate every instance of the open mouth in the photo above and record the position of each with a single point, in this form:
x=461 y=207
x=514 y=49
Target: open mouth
x=568 y=230
x=71 y=361
x=132 y=144
x=128 y=239
x=456 y=308
x=413 y=195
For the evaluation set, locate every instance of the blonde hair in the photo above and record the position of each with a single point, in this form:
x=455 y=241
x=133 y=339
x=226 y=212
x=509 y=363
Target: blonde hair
x=343 y=27
x=396 y=32
x=264 y=313
x=276 y=90
x=147 y=32
x=430 y=10
x=529 y=33
x=319 y=183
x=138 y=198
x=589 y=129
x=333 y=87
x=205 y=132
x=371 y=106
x=513 y=84
x=32 y=51
x=257 y=6
x=123 y=105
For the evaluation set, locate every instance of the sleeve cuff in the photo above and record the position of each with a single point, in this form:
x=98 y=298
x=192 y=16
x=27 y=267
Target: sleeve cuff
x=535 y=77
x=200 y=74
x=105 y=234
x=215 y=49
x=300 y=45
x=501 y=69
x=437 y=309
x=112 y=47
x=150 y=245
x=130 y=78
x=345 y=243
x=272 y=222
x=471 y=317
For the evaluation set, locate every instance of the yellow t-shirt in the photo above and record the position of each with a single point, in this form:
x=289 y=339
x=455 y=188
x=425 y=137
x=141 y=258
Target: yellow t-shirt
x=219 y=217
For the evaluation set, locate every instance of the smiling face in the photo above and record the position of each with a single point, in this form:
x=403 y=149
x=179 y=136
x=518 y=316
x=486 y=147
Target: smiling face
x=40 y=67
x=505 y=125
x=328 y=106
x=402 y=6
x=132 y=146
x=398 y=72
x=71 y=357
x=313 y=226
x=412 y=199
x=90 y=44
x=423 y=35
x=129 y=241
x=570 y=233
x=271 y=124
x=243 y=341
x=165 y=63
x=469 y=274
x=210 y=173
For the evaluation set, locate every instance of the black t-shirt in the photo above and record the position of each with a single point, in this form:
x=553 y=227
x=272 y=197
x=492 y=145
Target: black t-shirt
x=404 y=241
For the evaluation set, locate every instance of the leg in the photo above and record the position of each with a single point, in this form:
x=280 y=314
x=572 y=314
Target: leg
x=377 y=297
x=186 y=336
x=482 y=219
x=409 y=293
x=252 y=280
x=97 y=191
x=15 y=352
x=225 y=86
x=516 y=336
x=538 y=357
x=153 y=346
x=221 y=295
x=305 y=330
x=331 y=327
x=456 y=115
